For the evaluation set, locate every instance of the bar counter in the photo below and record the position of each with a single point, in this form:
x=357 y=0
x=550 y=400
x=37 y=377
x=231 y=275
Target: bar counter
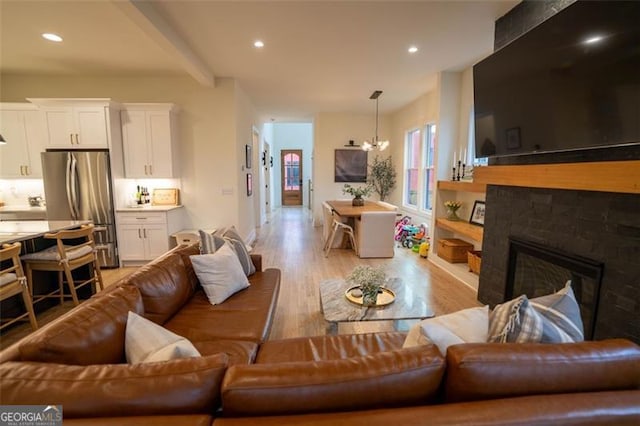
x=16 y=230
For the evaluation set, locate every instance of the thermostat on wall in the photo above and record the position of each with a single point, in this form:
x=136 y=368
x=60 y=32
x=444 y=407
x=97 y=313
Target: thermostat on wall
x=166 y=197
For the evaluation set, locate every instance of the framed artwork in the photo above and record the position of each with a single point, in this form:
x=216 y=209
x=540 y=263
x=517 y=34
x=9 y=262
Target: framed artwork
x=249 y=185
x=350 y=166
x=477 y=214
x=247 y=156
x=513 y=138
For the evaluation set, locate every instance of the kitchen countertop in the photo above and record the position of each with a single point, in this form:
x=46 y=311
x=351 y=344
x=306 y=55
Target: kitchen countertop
x=15 y=230
x=22 y=209
x=148 y=208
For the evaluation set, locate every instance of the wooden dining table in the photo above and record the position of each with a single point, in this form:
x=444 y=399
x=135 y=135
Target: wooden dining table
x=345 y=209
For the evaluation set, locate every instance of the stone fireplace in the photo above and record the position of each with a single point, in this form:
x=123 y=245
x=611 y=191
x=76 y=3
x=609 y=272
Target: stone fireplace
x=599 y=227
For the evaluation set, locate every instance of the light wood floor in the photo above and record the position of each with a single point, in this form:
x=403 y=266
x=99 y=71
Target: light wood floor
x=290 y=242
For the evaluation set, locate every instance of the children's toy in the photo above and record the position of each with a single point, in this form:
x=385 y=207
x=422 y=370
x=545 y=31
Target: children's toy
x=406 y=220
x=424 y=249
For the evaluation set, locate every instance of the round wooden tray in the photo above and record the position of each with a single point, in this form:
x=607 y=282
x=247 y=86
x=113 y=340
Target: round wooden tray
x=385 y=296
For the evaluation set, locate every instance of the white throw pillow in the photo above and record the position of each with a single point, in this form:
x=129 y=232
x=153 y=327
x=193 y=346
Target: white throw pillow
x=465 y=326
x=146 y=341
x=220 y=273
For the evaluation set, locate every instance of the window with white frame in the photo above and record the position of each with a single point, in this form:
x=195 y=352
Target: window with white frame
x=412 y=168
x=427 y=164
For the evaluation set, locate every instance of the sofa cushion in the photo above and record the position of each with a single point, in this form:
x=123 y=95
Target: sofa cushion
x=165 y=284
x=182 y=420
x=247 y=315
x=553 y=318
x=220 y=274
x=464 y=326
x=92 y=333
x=384 y=379
x=146 y=341
x=326 y=348
x=595 y=408
x=489 y=370
x=182 y=386
x=237 y=351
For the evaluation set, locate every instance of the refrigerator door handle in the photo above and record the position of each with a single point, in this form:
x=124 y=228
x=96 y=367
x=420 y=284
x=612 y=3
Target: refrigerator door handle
x=74 y=184
x=68 y=176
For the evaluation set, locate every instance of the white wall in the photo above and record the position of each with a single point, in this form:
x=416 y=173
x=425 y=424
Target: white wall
x=332 y=131
x=292 y=136
x=215 y=124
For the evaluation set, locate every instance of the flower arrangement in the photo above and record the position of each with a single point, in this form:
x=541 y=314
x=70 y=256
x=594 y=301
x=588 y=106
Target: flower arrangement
x=357 y=192
x=453 y=205
x=370 y=280
x=452 y=208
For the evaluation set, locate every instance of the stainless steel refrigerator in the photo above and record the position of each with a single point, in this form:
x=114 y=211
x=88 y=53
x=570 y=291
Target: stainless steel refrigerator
x=77 y=186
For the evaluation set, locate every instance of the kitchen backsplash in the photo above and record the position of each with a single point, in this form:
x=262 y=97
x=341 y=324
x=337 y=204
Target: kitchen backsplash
x=15 y=192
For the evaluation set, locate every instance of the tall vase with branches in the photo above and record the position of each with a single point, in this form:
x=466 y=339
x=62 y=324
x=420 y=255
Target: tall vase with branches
x=382 y=176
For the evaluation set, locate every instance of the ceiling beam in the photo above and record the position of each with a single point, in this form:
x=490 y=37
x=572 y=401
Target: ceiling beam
x=145 y=16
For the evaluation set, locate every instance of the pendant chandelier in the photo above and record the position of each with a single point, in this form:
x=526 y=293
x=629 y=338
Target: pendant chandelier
x=375 y=143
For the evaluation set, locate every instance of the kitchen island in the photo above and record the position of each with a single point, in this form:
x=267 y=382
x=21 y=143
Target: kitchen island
x=31 y=235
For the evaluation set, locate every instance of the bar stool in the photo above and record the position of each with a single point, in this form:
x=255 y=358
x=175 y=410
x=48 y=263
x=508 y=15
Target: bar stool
x=13 y=282
x=65 y=258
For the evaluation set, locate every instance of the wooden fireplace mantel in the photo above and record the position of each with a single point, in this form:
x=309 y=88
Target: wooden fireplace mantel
x=606 y=176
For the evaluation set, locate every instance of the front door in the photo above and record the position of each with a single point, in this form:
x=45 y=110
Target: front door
x=291 y=163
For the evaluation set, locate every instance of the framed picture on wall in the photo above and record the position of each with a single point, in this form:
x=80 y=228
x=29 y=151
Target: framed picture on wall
x=247 y=156
x=350 y=165
x=249 y=185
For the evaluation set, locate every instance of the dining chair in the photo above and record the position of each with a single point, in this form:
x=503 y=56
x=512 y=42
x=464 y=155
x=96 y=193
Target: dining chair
x=73 y=249
x=336 y=228
x=13 y=282
x=375 y=234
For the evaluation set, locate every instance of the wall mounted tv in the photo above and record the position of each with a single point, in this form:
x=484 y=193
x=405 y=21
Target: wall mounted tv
x=571 y=83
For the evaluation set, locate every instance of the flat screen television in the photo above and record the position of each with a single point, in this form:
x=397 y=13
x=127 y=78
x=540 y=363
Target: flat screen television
x=571 y=83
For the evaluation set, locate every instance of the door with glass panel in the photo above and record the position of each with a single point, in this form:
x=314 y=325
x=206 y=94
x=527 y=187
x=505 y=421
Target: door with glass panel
x=291 y=172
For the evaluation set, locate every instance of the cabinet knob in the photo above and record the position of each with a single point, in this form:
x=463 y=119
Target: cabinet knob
x=150 y=169
x=139 y=234
x=77 y=140
x=71 y=138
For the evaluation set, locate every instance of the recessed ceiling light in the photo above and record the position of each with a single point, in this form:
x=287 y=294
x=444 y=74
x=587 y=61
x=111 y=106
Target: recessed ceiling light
x=412 y=49
x=52 y=37
x=593 y=39
x=258 y=43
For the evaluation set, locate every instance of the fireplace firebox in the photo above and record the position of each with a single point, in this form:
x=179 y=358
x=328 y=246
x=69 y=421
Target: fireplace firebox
x=536 y=270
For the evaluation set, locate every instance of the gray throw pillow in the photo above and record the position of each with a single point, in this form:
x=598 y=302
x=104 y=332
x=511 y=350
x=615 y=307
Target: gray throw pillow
x=231 y=236
x=209 y=243
x=554 y=318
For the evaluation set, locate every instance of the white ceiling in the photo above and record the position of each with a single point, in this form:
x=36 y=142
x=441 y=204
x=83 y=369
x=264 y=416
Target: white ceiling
x=319 y=56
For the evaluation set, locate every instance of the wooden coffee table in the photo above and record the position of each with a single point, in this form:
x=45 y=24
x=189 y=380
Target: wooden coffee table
x=336 y=308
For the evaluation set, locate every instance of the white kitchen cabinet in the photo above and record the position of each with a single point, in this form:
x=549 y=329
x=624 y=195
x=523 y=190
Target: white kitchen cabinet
x=24 y=129
x=76 y=123
x=145 y=234
x=149 y=140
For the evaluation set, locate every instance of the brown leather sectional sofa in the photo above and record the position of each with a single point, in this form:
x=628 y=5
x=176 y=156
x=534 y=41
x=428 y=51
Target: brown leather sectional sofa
x=244 y=379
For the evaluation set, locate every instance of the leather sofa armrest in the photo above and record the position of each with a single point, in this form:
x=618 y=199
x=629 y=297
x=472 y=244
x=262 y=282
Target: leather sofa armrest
x=478 y=371
x=401 y=377
x=257 y=261
x=181 y=386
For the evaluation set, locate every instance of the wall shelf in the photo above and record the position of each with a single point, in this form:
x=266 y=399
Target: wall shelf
x=465 y=186
x=474 y=232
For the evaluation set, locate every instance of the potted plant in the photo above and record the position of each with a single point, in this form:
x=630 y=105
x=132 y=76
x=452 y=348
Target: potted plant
x=382 y=176
x=369 y=280
x=357 y=193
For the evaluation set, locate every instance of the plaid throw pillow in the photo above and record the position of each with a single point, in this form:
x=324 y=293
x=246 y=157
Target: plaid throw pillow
x=554 y=318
